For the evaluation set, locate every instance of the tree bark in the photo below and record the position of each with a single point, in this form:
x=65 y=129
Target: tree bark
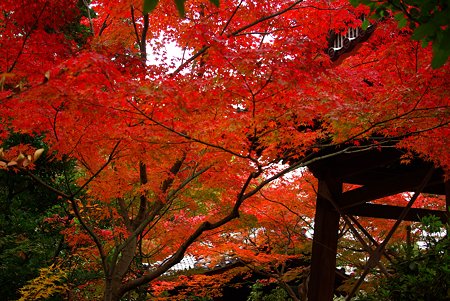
x=112 y=288
x=117 y=271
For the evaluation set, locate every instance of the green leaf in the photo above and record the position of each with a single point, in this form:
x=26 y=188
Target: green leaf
x=149 y=6
x=443 y=36
x=365 y=24
x=215 y=2
x=422 y=31
x=424 y=43
x=355 y=3
x=180 y=7
x=402 y=21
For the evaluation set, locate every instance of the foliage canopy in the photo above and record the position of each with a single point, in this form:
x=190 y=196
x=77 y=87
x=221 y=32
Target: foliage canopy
x=169 y=150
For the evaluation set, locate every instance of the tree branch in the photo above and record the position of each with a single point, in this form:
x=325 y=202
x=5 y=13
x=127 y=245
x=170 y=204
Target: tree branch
x=91 y=24
x=260 y=20
x=189 y=60
x=26 y=37
x=231 y=17
x=186 y=136
x=110 y=158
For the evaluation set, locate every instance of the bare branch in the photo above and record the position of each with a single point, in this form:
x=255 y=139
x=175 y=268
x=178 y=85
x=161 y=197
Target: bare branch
x=88 y=9
x=235 y=33
x=91 y=233
x=110 y=158
x=27 y=36
x=136 y=33
x=189 y=60
x=186 y=136
x=143 y=44
x=263 y=19
x=232 y=15
x=49 y=187
x=104 y=25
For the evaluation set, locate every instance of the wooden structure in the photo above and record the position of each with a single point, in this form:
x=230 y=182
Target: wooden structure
x=339 y=43
x=379 y=173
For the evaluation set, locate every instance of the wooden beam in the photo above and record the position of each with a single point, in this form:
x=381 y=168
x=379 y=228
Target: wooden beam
x=376 y=254
x=347 y=165
x=326 y=227
x=379 y=189
x=360 y=163
x=393 y=212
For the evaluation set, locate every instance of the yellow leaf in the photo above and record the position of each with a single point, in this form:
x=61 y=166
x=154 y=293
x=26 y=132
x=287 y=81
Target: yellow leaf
x=38 y=153
x=20 y=158
x=12 y=163
x=25 y=163
x=7 y=75
x=48 y=283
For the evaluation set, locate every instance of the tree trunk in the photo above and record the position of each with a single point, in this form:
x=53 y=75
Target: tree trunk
x=113 y=282
x=112 y=288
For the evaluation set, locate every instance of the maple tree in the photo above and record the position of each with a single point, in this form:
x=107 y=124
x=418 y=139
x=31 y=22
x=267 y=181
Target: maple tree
x=168 y=155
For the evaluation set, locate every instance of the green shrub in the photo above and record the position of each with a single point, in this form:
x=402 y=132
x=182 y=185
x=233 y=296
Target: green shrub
x=422 y=273
x=260 y=293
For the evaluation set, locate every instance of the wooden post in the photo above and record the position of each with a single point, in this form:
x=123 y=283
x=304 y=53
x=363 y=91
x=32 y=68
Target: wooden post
x=447 y=199
x=326 y=227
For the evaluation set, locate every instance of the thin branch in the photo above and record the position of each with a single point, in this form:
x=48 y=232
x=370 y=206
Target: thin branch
x=235 y=33
x=288 y=209
x=104 y=25
x=172 y=193
x=91 y=233
x=49 y=187
x=301 y=163
x=26 y=37
x=73 y=202
x=110 y=158
x=157 y=208
x=376 y=124
x=186 y=136
x=189 y=60
x=54 y=122
x=364 y=63
x=265 y=18
x=231 y=17
x=133 y=19
x=143 y=44
x=88 y=9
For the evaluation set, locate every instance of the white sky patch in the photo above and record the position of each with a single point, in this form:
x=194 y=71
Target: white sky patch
x=162 y=52
x=291 y=176
x=188 y=262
